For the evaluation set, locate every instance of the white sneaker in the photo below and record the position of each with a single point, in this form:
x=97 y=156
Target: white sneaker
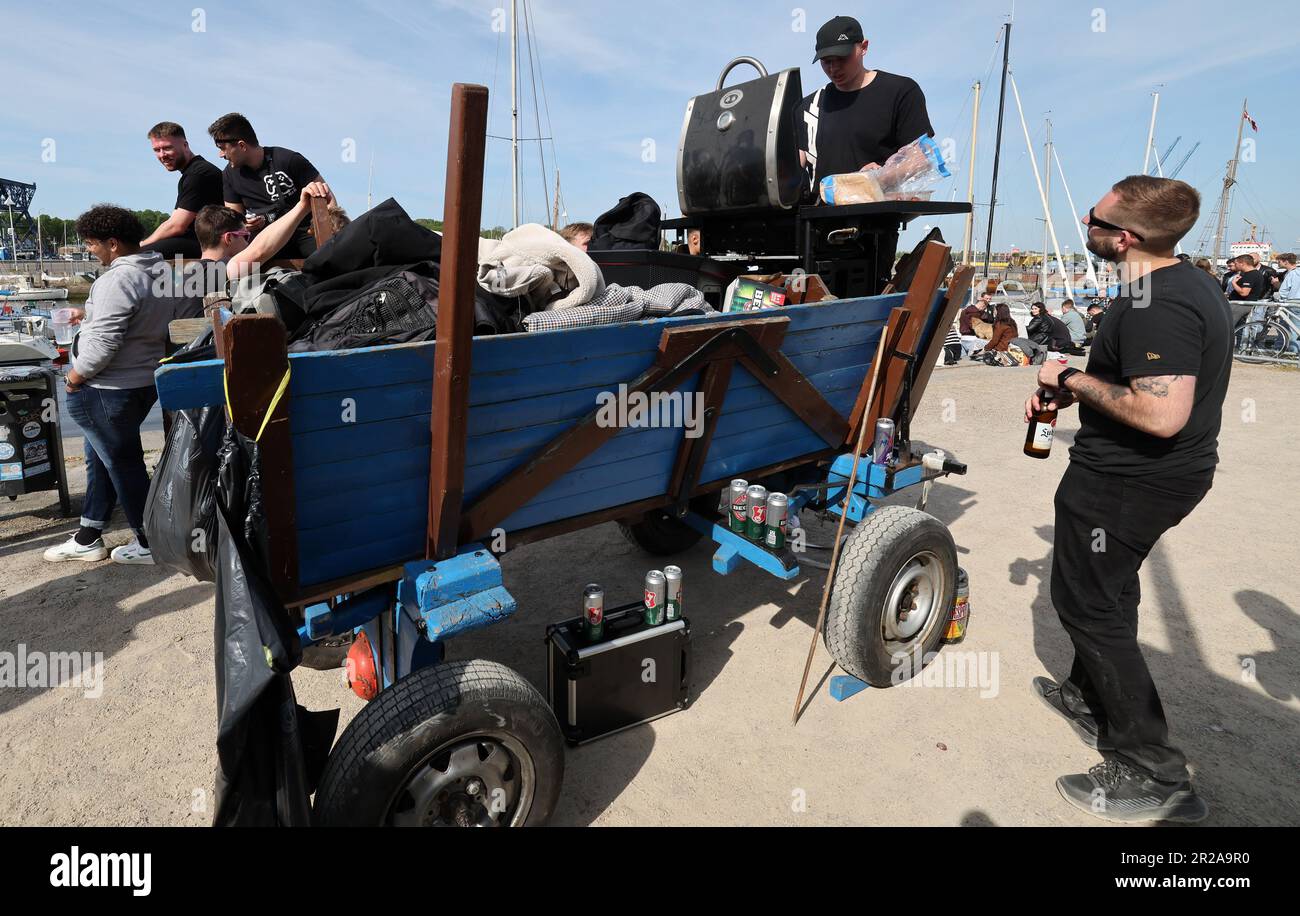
x=133 y=553
x=71 y=550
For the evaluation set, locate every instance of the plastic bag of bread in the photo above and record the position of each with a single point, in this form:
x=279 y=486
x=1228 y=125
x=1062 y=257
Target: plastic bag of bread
x=911 y=173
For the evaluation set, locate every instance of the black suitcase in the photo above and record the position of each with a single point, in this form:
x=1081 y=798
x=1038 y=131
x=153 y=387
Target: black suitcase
x=634 y=674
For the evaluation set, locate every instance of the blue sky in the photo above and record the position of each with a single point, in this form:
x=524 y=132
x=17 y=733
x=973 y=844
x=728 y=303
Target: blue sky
x=375 y=76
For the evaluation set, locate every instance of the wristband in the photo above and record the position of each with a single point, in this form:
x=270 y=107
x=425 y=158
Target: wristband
x=1065 y=375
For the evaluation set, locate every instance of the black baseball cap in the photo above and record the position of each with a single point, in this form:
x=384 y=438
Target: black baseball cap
x=837 y=37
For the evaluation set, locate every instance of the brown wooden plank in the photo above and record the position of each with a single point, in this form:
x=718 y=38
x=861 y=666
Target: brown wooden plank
x=256 y=362
x=636 y=509
x=321 y=227
x=563 y=452
x=714 y=380
x=918 y=301
x=677 y=344
x=889 y=337
x=801 y=396
x=957 y=289
x=347 y=585
x=462 y=214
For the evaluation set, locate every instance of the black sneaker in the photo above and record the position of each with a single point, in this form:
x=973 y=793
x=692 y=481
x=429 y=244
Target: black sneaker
x=1115 y=791
x=1086 y=727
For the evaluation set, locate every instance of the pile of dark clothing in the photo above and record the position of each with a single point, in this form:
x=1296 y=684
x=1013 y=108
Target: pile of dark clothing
x=376 y=282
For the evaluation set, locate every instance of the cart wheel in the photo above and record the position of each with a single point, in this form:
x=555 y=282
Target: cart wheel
x=466 y=743
x=661 y=534
x=892 y=595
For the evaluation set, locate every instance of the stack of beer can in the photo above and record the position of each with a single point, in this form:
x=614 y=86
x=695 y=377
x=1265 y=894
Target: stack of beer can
x=756 y=514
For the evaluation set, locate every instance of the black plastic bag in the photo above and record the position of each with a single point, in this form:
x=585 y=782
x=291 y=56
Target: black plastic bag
x=383 y=236
x=180 y=517
x=270 y=750
x=632 y=223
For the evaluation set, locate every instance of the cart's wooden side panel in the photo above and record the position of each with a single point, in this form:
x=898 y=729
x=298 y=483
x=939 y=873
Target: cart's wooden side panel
x=360 y=425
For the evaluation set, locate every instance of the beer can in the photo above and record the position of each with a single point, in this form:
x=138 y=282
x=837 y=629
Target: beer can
x=757 y=512
x=739 y=506
x=778 y=506
x=724 y=498
x=882 y=448
x=673 y=581
x=655 y=593
x=593 y=612
x=959 y=616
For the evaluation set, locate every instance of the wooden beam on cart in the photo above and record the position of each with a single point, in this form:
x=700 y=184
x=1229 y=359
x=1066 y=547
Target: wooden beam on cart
x=450 y=414
x=957 y=289
x=253 y=347
x=918 y=302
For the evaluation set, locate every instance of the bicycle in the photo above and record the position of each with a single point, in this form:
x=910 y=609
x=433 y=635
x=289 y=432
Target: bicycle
x=1276 y=338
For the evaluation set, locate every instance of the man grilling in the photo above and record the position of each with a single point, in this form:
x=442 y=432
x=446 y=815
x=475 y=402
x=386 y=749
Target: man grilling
x=861 y=117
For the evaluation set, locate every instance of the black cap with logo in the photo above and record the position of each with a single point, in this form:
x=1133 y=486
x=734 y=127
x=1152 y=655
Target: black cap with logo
x=838 y=37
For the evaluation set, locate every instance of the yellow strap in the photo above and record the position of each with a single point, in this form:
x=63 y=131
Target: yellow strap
x=275 y=400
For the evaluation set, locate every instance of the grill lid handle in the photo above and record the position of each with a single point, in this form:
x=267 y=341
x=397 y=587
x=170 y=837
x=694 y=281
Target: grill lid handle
x=752 y=61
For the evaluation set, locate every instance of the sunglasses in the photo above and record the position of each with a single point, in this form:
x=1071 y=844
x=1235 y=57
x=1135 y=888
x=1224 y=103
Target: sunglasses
x=1095 y=220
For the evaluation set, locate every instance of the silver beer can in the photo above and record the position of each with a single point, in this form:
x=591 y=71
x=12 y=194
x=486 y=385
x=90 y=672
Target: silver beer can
x=655 y=594
x=882 y=448
x=673 y=593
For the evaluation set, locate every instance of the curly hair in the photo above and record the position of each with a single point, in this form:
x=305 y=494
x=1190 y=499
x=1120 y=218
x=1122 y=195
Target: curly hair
x=105 y=221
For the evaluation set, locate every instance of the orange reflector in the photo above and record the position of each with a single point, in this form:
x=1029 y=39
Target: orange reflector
x=360 y=667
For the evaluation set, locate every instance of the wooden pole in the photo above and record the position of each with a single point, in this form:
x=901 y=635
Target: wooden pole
x=461 y=217
x=839 y=531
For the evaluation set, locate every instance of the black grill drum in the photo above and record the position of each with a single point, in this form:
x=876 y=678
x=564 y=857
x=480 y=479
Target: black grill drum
x=737 y=150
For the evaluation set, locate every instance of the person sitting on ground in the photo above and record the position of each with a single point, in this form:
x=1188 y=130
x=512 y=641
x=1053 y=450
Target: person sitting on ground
x=1004 y=331
x=1046 y=330
x=263 y=182
x=578 y=234
x=1096 y=312
x=1073 y=321
x=110 y=387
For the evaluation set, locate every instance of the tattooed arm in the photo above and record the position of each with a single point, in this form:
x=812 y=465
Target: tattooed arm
x=1158 y=405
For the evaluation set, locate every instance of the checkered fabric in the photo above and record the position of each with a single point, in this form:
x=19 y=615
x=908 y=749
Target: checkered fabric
x=624 y=303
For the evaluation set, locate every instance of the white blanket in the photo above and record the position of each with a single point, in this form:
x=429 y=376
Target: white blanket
x=534 y=262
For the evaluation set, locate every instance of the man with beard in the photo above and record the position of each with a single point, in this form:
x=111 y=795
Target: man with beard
x=1151 y=402
x=199 y=186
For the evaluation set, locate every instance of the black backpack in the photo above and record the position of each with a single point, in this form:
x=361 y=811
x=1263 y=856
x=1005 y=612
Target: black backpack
x=400 y=308
x=633 y=223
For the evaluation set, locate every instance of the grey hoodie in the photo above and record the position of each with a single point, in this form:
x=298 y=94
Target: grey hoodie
x=124 y=333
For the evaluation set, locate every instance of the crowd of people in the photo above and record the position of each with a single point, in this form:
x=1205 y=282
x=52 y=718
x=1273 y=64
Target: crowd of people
x=256 y=210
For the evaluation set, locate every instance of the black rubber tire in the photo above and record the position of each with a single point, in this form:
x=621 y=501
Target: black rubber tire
x=400 y=728
x=662 y=535
x=873 y=555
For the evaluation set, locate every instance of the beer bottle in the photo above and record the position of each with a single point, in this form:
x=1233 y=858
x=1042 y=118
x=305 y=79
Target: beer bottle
x=1038 y=438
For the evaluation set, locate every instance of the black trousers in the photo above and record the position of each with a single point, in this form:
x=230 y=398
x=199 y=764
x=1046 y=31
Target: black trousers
x=1105 y=527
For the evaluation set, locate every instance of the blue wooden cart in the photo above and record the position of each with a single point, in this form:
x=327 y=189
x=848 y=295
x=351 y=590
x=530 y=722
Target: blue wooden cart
x=394 y=476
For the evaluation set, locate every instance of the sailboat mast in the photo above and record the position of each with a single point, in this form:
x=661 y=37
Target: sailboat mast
x=1078 y=224
x=997 y=143
x=370 y=183
x=1228 y=181
x=1033 y=161
x=514 y=111
x=970 y=179
x=555 y=215
x=1047 y=197
x=1151 y=135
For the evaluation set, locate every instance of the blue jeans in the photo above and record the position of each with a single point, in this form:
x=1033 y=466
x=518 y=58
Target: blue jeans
x=110 y=420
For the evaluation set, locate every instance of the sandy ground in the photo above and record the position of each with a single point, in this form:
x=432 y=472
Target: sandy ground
x=1219 y=626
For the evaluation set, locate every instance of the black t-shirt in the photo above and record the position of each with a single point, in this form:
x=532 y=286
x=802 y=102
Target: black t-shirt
x=273 y=190
x=851 y=129
x=1252 y=278
x=1266 y=285
x=199 y=185
x=1184 y=328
